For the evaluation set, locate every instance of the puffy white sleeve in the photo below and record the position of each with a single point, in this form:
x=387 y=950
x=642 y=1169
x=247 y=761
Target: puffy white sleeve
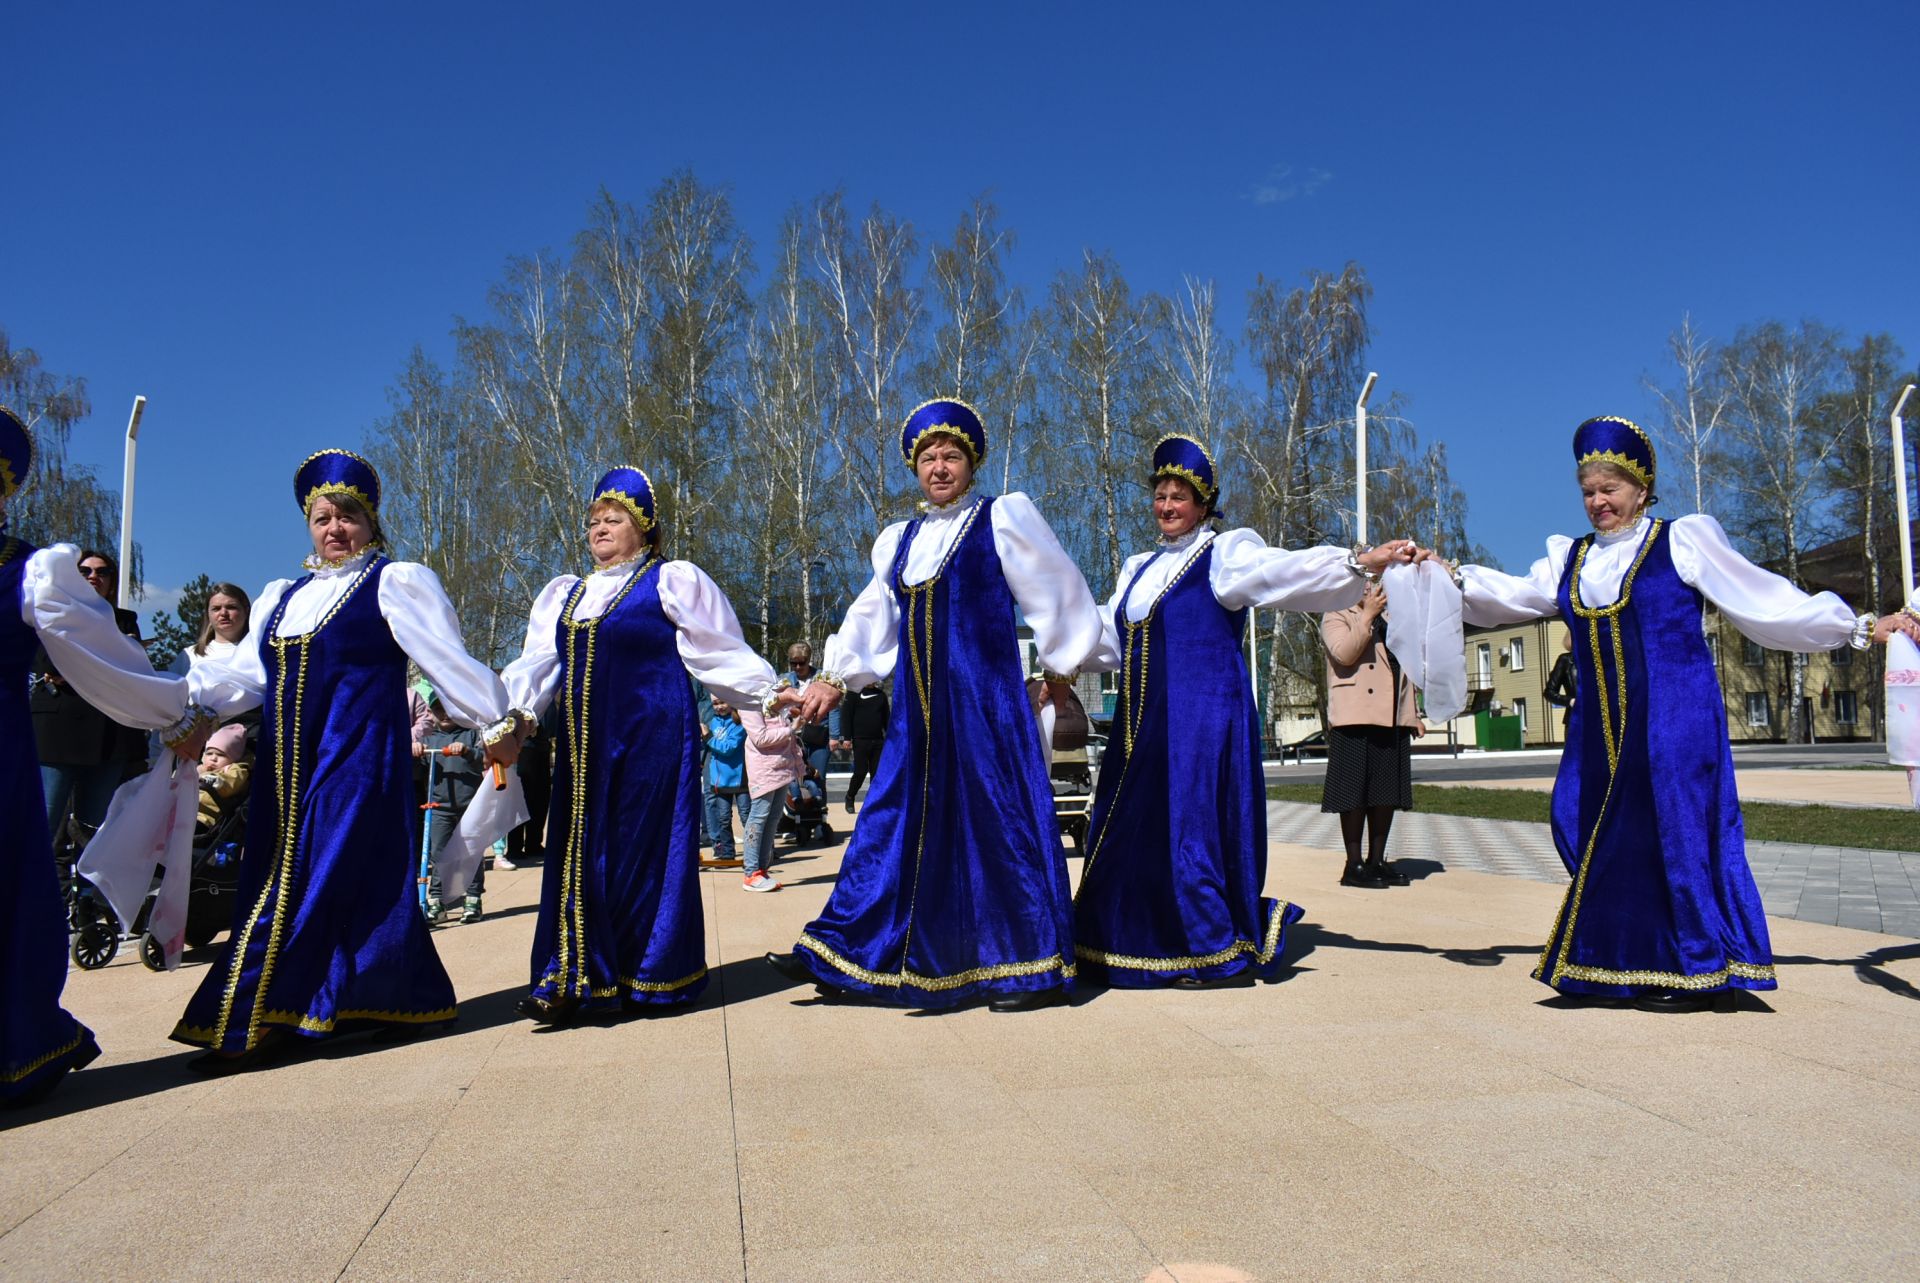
x=416 y=608
x=1491 y=597
x=237 y=683
x=711 y=644
x=1106 y=656
x=104 y=665
x=867 y=646
x=1761 y=604
x=534 y=678
x=1053 y=595
x=1247 y=572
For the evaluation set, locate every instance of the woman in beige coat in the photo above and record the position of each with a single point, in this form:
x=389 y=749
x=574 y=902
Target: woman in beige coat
x=1371 y=722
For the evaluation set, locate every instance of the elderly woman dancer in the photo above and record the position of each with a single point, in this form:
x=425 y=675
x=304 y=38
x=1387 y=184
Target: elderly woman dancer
x=52 y=606
x=954 y=885
x=1662 y=909
x=620 y=919
x=1177 y=857
x=327 y=933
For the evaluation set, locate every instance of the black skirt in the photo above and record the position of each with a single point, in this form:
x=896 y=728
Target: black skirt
x=1368 y=766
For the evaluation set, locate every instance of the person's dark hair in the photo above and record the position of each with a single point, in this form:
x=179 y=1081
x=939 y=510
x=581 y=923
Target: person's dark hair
x=234 y=591
x=113 y=567
x=354 y=508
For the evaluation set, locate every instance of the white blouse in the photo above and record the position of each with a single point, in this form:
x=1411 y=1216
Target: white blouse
x=1052 y=595
x=1246 y=572
x=106 y=667
x=1761 y=604
x=417 y=611
x=708 y=635
x=189 y=659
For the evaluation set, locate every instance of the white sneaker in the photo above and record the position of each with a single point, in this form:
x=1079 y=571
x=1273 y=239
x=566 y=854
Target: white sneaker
x=502 y=862
x=760 y=881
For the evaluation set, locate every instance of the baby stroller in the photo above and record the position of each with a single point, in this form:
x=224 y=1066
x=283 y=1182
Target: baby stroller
x=805 y=820
x=91 y=924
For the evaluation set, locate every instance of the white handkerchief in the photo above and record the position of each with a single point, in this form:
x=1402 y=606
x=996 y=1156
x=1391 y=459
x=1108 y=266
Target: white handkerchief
x=1424 y=633
x=491 y=815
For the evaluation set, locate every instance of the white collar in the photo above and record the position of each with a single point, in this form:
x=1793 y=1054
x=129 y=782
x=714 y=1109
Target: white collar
x=320 y=568
x=943 y=511
x=622 y=567
x=1186 y=540
x=1623 y=535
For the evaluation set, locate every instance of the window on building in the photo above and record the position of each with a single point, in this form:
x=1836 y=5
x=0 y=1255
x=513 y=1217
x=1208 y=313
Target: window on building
x=1713 y=651
x=1485 y=666
x=1757 y=714
x=1842 y=658
x=1751 y=652
x=1517 y=654
x=1846 y=708
x=1520 y=711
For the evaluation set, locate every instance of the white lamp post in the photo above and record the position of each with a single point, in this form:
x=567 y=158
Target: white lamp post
x=1360 y=459
x=126 y=504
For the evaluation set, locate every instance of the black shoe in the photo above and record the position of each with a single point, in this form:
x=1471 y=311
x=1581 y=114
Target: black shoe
x=1683 y=1000
x=1032 y=1000
x=849 y=806
x=548 y=1011
x=1361 y=876
x=790 y=966
x=1194 y=982
x=1388 y=872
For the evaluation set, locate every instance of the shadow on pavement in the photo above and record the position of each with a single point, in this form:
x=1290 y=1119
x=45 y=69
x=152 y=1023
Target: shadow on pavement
x=1870 y=968
x=1304 y=937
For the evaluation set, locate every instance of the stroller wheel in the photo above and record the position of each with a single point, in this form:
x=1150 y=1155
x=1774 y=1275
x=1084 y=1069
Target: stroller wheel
x=95 y=946
x=152 y=954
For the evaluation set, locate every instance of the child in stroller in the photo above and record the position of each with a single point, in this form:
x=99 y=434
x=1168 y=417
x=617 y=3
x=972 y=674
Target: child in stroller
x=805 y=821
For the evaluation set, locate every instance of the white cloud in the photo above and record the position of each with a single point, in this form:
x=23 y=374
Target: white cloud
x=1284 y=183
x=156 y=599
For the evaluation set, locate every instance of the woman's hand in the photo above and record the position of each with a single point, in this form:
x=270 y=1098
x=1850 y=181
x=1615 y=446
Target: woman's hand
x=1376 y=559
x=817 y=701
x=1419 y=728
x=504 y=751
x=1900 y=621
x=1373 y=601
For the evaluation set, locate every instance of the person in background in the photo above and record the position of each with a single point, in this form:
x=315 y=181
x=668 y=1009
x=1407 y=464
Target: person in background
x=527 y=844
x=1562 y=682
x=863 y=726
x=224 y=770
x=459 y=762
x=84 y=754
x=816 y=738
x=1372 y=721
x=773 y=764
x=726 y=781
x=228 y=615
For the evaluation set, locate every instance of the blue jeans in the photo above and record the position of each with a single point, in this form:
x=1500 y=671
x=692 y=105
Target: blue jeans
x=762 y=823
x=720 y=809
x=88 y=788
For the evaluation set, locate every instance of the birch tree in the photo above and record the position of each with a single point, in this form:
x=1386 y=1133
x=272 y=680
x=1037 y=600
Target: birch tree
x=1693 y=409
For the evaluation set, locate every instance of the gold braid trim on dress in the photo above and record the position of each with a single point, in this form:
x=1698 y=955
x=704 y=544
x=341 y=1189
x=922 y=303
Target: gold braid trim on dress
x=1262 y=952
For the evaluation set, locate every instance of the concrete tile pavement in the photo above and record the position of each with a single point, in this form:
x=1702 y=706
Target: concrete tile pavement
x=1404 y=1102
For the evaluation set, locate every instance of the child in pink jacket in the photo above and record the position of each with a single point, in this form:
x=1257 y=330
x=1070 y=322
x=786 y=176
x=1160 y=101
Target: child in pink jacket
x=773 y=762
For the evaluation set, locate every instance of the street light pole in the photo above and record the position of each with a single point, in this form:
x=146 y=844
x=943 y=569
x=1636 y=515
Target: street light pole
x=1360 y=459
x=126 y=504
x=1908 y=596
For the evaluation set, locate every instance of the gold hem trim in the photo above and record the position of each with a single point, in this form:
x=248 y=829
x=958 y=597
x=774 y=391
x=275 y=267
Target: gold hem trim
x=936 y=984
x=204 y=1035
x=1666 y=979
x=35 y=1066
x=630 y=984
x=1262 y=953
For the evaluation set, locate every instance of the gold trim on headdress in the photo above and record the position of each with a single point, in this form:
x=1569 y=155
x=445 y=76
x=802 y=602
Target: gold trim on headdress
x=1619 y=459
x=1192 y=478
x=630 y=502
x=328 y=489
x=974 y=453
x=10 y=482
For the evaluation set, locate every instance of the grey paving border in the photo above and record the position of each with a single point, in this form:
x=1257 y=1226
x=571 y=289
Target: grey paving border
x=1839 y=886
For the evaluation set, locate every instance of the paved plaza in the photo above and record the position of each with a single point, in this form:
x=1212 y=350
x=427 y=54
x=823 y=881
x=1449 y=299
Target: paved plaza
x=1404 y=1103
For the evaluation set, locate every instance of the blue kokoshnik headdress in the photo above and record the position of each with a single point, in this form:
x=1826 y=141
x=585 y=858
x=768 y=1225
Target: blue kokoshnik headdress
x=337 y=472
x=944 y=416
x=1620 y=442
x=16 y=453
x=1180 y=456
x=629 y=488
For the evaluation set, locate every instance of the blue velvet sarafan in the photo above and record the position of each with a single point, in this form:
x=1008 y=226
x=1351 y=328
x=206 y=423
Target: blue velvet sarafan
x=620 y=915
x=954 y=885
x=327 y=931
x=39 y=1040
x=1177 y=855
x=1645 y=813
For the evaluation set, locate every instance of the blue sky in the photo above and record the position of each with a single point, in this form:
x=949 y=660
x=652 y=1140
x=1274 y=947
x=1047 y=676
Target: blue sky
x=251 y=213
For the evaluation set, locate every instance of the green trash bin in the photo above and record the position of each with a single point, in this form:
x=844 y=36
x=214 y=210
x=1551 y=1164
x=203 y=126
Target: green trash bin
x=1498 y=734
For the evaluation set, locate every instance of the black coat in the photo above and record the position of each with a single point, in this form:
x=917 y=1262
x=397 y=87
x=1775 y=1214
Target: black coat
x=863 y=716
x=67 y=730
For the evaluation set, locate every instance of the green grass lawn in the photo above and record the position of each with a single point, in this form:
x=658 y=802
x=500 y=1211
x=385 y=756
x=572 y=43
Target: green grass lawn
x=1877 y=829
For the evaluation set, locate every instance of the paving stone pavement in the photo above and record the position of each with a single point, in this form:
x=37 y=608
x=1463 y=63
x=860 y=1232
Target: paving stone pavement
x=1838 y=886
